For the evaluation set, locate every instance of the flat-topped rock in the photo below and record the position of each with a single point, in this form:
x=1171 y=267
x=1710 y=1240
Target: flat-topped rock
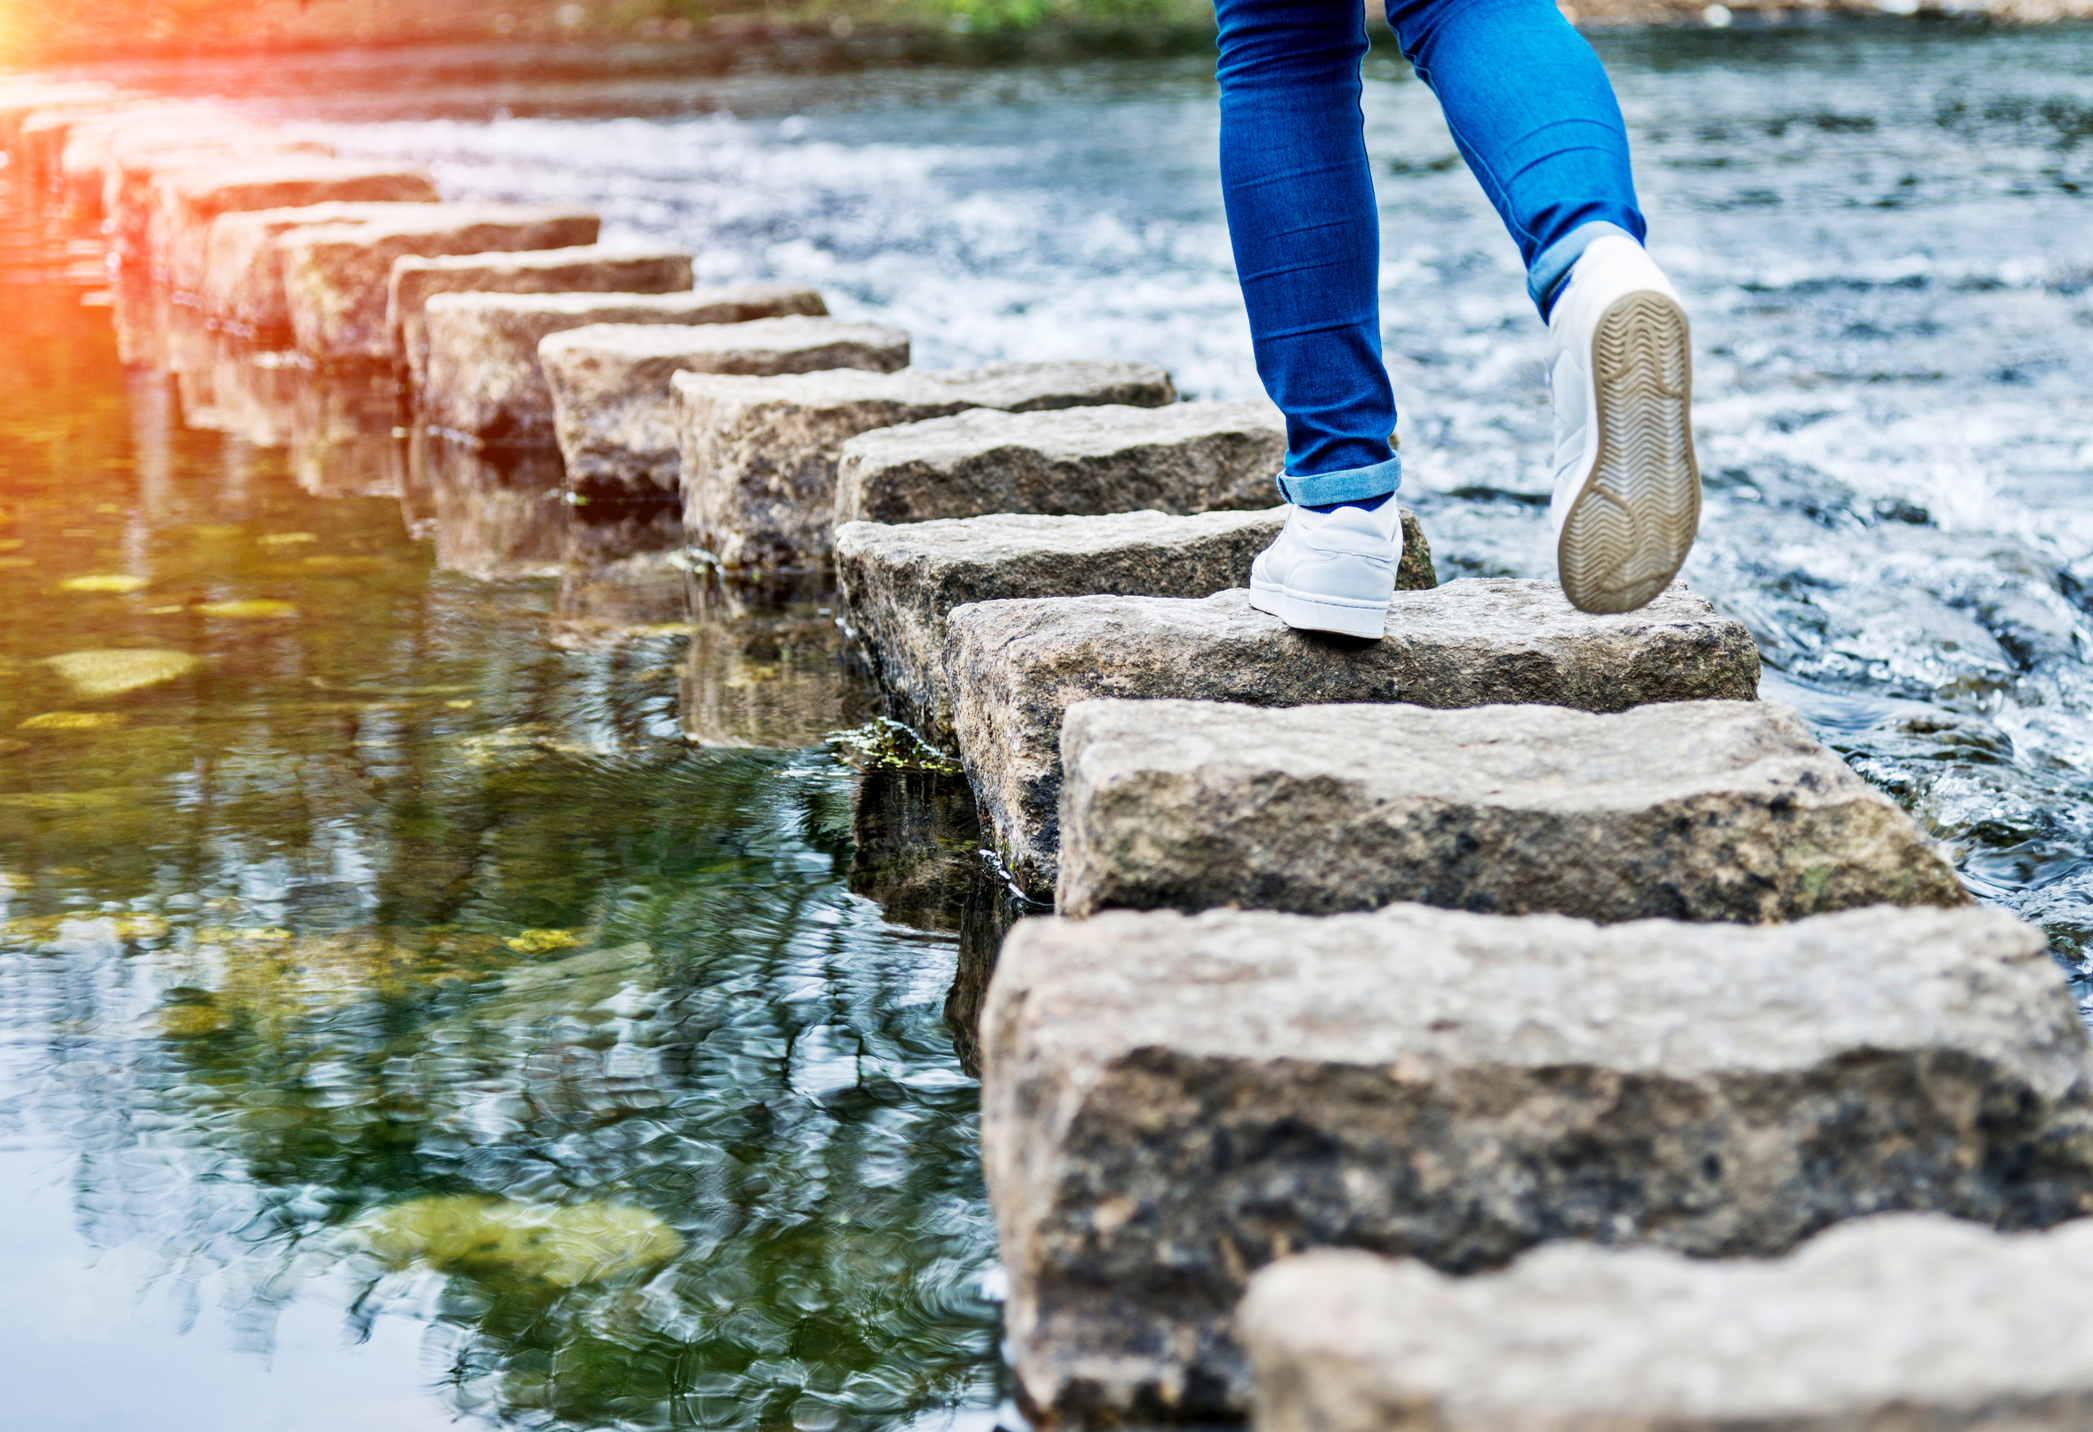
x=1188 y=457
x=1015 y=666
x=759 y=455
x=899 y=581
x=1682 y=810
x=139 y=220
x=335 y=278
x=187 y=200
x=616 y=411
x=1171 y=1102
x=592 y=268
x=242 y=284
x=1908 y=1320
x=483 y=382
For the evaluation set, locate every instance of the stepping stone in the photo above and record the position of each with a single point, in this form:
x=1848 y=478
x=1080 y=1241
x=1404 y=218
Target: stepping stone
x=335 y=278
x=593 y=268
x=242 y=284
x=1015 y=666
x=483 y=383
x=139 y=222
x=188 y=199
x=615 y=411
x=899 y=582
x=1188 y=457
x=760 y=454
x=1169 y=1103
x=1905 y=1320
x=1682 y=810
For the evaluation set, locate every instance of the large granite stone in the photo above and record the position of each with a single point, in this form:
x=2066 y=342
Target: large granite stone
x=616 y=411
x=188 y=199
x=593 y=268
x=134 y=204
x=759 y=455
x=899 y=581
x=335 y=278
x=1015 y=666
x=1908 y=1320
x=1682 y=810
x=1171 y=1102
x=242 y=286
x=1188 y=457
x=483 y=383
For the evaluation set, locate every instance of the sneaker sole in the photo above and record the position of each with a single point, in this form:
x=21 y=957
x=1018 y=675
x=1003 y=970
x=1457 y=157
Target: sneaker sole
x=1304 y=611
x=1631 y=526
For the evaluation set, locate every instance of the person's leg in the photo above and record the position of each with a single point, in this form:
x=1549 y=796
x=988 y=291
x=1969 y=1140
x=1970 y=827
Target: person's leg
x=1533 y=114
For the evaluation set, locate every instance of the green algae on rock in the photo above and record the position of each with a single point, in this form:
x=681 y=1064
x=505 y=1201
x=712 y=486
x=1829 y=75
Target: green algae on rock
x=112 y=672
x=535 y=1243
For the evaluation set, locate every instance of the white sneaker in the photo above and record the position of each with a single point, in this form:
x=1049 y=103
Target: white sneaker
x=1331 y=571
x=1627 y=492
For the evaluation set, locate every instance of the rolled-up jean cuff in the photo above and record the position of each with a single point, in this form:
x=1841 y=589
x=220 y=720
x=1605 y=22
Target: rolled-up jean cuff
x=1356 y=484
x=1553 y=264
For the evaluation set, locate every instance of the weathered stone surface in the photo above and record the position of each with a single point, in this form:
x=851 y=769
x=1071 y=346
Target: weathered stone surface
x=1188 y=457
x=1908 y=1320
x=483 y=381
x=1171 y=1102
x=616 y=411
x=1015 y=666
x=899 y=581
x=242 y=285
x=188 y=199
x=133 y=201
x=335 y=277
x=593 y=268
x=1682 y=810
x=759 y=454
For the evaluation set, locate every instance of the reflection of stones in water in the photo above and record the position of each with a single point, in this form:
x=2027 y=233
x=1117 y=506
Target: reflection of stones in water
x=622 y=575
x=253 y=394
x=143 y=313
x=990 y=910
x=918 y=843
x=494 y=513
x=342 y=442
x=768 y=665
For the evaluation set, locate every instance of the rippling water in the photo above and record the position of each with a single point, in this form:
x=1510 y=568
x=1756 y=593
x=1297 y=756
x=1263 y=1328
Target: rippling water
x=415 y=893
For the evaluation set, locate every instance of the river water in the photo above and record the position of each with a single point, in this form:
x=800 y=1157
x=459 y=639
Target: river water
x=443 y=977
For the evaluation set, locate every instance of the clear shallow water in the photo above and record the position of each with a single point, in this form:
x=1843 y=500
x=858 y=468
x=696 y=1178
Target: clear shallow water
x=415 y=887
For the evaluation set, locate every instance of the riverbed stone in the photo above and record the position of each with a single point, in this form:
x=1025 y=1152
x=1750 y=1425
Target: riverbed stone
x=242 y=286
x=900 y=580
x=1170 y=1102
x=1681 y=810
x=1906 y=1319
x=615 y=408
x=759 y=455
x=592 y=268
x=335 y=278
x=483 y=382
x=1188 y=457
x=188 y=199
x=1015 y=666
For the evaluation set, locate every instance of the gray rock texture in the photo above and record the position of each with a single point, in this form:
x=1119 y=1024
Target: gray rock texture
x=335 y=278
x=242 y=284
x=482 y=380
x=1188 y=457
x=1907 y=1320
x=592 y=268
x=1683 y=810
x=1171 y=1102
x=135 y=174
x=759 y=455
x=1015 y=666
x=189 y=199
x=899 y=581
x=616 y=409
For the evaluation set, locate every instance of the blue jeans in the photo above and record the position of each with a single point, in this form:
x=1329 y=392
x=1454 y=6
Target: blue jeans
x=1532 y=112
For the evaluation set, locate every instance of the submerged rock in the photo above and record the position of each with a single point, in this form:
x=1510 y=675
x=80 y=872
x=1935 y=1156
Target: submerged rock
x=900 y=581
x=1015 y=666
x=100 y=673
x=759 y=455
x=1171 y=1102
x=497 y=1238
x=616 y=415
x=241 y=287
x=1906 y=1320
x=482 y=380
x=1683 y=810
